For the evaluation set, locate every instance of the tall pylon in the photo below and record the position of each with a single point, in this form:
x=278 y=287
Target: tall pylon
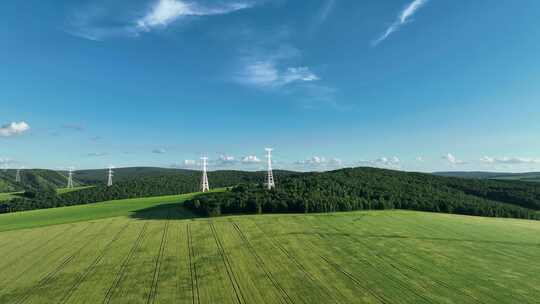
x=70 y=178
x=109 y=176
x=205 y=187
x=18 y=176
x=270 y=178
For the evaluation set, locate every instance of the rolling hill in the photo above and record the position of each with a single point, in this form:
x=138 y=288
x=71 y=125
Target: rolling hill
x=370 y=188
x=528 y=176
x=154 y=251
x=32 y=179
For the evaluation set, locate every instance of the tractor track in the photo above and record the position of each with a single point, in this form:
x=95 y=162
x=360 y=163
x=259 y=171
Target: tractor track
x=88 y=271
x=155 y=278
x=228 y=267
x=38 y=261
x=52 y=274
x=192 y=268
x=120 y=275
x=260 y=263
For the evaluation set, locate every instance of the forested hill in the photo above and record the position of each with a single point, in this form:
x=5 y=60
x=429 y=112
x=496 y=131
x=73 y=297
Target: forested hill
x=32 y=179
x=177 y=182
x=99 y=176
x=369 y=188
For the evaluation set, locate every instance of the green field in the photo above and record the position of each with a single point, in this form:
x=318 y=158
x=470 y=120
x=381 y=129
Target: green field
x=153 y=251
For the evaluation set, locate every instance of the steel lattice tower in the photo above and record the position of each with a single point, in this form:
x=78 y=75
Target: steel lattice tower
x=110 y=176
x=204 y=181
x=270 y=178
x=18 y=176
x=70 y=178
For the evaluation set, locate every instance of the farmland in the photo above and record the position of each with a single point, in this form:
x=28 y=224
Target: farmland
x=154 y=251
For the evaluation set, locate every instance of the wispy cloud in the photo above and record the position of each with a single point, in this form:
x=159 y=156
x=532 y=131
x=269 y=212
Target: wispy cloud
x=509 y=160
x=159 y=151
x=403 y=18
x=96 y=154
x=453 y=160
x=14 y=128
x=382 y=162
x=101 y=22
x=250 y=159
x=165 y=12
x=323 y=13
x=75 y=127
x=320 y=163
x=267 y=74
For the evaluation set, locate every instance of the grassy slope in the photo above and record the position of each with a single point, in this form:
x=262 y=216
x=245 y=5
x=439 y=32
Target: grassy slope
x=46 y=217
x=156 y=255
x=8 y=196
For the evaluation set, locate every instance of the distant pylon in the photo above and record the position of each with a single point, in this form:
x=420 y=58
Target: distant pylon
x=270 y=178
x=109 y=177
x=204 y=181
x=70 y=178
x=18 y=176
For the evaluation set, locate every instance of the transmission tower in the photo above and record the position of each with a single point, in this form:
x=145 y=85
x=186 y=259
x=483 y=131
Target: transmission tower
x=70 y=178
x=18 y=176
x=204 y=181
x=270 y=178
x=109 y=177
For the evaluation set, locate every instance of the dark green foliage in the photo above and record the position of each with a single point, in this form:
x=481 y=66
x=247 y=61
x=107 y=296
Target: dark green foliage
x=32 y=179
x=369 y=189
x=184 y=181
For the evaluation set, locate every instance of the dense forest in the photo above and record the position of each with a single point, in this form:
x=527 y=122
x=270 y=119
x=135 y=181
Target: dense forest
x=32 y=179
x=182 y=181
x=341 y=190
x=372 y=189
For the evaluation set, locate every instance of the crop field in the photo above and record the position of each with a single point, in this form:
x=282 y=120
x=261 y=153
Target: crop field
x=158 y=253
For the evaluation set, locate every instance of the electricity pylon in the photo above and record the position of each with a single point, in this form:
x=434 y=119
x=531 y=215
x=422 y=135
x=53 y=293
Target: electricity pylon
x=18 y=176
x=109 y=177
x=70 y=178
x=270 y=178
x=205 y=187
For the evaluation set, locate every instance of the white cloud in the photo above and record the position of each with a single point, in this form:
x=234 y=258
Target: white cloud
x=165 y=12
x=14 y=128
x=251 y=159
x=320 y=163
x=404 y=16
x=509 y=160
x=226 y=158
x=419 y=158
x=265 y=73
x=453 y=160
x=189 y=162
x=89 y=21
x=383 y=162
x=159 y=151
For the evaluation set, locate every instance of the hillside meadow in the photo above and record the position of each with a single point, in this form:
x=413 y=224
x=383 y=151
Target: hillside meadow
x=154 y=251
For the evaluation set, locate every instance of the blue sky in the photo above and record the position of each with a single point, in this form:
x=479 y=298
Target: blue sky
x=412 y=85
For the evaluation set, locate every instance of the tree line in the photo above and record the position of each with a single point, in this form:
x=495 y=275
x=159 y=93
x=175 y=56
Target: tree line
x=46 y=196
x=376 y=189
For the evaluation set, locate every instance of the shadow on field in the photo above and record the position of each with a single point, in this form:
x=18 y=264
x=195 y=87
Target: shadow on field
x=173 y=211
